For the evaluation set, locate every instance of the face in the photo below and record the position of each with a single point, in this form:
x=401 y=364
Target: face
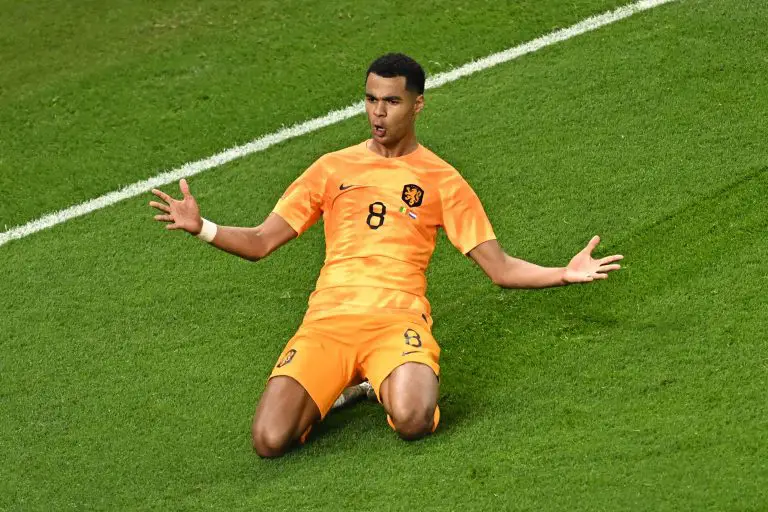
x=391 y=108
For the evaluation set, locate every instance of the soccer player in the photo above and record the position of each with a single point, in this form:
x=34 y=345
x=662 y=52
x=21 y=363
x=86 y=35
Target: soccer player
x=381 y=201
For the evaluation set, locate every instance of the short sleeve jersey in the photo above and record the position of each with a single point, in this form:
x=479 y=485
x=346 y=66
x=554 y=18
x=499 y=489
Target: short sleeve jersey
x=381 y=217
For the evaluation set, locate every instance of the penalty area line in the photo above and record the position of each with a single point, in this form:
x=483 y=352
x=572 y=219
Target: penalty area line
x=333 y=117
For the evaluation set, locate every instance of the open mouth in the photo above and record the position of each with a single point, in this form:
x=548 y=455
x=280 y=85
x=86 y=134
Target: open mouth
x=379 y=131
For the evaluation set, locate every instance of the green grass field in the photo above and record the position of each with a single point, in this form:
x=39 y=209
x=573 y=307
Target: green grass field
x=131 y=358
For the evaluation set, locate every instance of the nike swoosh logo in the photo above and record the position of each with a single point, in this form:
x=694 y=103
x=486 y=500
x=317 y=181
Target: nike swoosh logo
x=345 y=187
x=411 y=352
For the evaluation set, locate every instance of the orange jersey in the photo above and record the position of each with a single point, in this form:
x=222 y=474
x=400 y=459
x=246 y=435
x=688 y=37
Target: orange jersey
x=381 y=217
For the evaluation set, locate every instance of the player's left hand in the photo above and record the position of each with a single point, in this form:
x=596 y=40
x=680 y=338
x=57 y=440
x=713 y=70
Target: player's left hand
x=583 y=268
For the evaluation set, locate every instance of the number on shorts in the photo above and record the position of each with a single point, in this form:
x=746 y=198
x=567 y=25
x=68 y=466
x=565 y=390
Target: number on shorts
x=412 y=338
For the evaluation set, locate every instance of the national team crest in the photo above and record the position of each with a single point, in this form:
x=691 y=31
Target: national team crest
x=287 y=359
x=413 y=195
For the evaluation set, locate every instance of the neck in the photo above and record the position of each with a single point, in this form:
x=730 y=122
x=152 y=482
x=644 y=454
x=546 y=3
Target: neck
x=402 y=147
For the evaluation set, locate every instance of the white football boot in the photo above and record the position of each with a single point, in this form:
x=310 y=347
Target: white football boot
x=354 y=394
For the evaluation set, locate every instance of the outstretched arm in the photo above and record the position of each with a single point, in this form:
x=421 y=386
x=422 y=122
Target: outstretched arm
x=509 y=272
x=250 y=243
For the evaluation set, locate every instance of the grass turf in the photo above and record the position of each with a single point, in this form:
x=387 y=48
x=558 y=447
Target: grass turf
x=94 y=96
x=132 y=357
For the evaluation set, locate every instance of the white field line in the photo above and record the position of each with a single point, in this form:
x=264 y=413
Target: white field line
x=336 y=116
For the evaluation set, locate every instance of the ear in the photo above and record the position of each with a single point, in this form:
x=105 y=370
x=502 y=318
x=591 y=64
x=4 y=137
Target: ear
x=418 y=105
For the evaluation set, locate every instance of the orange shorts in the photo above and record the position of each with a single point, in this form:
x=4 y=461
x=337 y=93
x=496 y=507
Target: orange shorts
x=328 y=354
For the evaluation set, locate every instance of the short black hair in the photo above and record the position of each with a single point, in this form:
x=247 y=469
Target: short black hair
x=397 y=64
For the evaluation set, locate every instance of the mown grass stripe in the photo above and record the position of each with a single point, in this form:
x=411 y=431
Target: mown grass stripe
x=333 y=117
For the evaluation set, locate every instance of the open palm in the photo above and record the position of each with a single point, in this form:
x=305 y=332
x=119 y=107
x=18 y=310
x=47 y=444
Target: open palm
x=184 y=214
x=583 y=268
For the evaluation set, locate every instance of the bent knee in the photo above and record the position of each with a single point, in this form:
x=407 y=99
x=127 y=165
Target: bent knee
x=413 y=423
x=269 y=442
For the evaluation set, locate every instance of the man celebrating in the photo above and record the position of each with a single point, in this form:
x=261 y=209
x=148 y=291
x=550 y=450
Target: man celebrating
x=381 y=201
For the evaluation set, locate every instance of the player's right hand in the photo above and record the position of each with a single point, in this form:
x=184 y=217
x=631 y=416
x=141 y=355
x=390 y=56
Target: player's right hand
x=184 y=214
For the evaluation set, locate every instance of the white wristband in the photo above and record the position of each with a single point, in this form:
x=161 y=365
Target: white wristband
x=208 y=231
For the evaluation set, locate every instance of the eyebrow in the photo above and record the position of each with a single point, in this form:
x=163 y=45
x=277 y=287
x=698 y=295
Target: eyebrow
x=385 y=98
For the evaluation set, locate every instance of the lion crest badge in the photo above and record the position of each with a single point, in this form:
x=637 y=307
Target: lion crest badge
x=413 y=195
x=287 y=359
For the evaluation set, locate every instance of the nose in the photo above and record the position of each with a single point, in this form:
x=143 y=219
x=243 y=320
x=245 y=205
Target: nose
x=380 y=110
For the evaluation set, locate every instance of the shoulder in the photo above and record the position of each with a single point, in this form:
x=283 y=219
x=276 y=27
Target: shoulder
x=440 y=172
x=443 y=176
x=430 y=160
x=343 y=155
x=333 y=161
x=328 y=162
x=453 y=189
